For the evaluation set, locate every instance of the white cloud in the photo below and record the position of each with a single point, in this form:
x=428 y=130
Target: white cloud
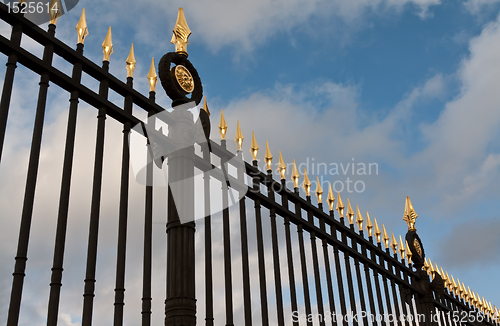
x=475 y=6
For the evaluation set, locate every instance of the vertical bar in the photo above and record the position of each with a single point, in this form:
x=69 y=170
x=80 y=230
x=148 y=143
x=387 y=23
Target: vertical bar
x=358 y=278
x=247 y=304
x=276 y=257
x=368 y=279
x=350 y=287
x=15 y=38
x=122 y=217
x=340 y=283
x=227 y=242
x=209 y=306
x=29 y=193
x=377 y=284
x=62 y=216
x=394 y=294
x=328 y=271
x=89 y=289
x=317 y=279
x=305 y=282
x=260 y=254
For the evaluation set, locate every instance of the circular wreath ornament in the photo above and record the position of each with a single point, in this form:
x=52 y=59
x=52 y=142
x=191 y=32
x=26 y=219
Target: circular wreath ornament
x=416 y=248
x=180 y=80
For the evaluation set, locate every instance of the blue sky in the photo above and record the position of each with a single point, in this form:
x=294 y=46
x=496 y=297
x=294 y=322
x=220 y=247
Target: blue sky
x=411 y=85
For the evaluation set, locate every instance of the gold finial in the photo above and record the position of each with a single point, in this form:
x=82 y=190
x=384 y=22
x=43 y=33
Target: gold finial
x=205 y=106
x=394 y=243
x=401 y=248
x=409 y=215
x=359 y=219
x=268 y=157
x=386 y=237
x=239 y=136
x=107 y=46
x=254 y=148
x=330 y=199
x=131 y=62
x=54 y=11
x=340 y=205
x=282 y=167
x=369 y=224
x=436 y=269
x=426 y=265
x=443 y=276
x=448 y=280
x=306 y=184
x=181 y=33
x=319 y=191
x=350 y=212
x=81 y=28
x=377 y=231
x=408 y=253
x=152 y=77
x=295 y=175
x=222 y=125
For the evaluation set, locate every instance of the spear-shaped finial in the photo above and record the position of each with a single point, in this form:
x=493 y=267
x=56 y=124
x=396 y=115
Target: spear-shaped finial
x=443 y=275
x=408 y=253
x=131 y=62
x=222 y=125
x=268 y=157
x=295 y=175
x=152 y=77
x=81 y=28
x=426 y=266
x=205 y=107
x=377 y=231
x=369 y=224
x=409 y=215
x=386 y=237
x=350 y=212
x=239 y=136
x=319 y=191
x=359 y=219
x=394 y=243
x=282 y=167
x=340 y=206
x=254 y=148
x=55 y=11
x=181 y=33
x=107 y=46
x=436 y=269
x=401 y=248
x=331 y=198
x=306 y=184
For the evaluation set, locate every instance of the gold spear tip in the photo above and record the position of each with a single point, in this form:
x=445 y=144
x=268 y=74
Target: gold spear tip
x=408 y=252
x=369 y=224
x=340 y=205
x=319 y=191
x=282 y=167
x=205 y=106
x=239 y=136
x=394 y=243
x=254 y=148
x=131 y=62
x=359 y=219
x=81 y=28
x=222 y=125
x=401 y=248
x=386 y=237
x=55 y=11
x=295 y=175
x=331 y=198
x=268 y=157
x=350 y=212
x=181 y=33
x=306 y=184
x=107 y=46
x=377 y=231
x=409 y=215
x=152 y=77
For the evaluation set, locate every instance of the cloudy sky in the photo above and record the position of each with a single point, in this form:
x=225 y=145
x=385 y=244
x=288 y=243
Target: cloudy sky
x=411 y=85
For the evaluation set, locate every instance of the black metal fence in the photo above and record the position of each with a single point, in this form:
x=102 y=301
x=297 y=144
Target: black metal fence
x=292 y=264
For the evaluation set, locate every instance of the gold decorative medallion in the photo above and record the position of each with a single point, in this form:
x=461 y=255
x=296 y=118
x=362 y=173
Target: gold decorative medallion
x=183 y=78
x=418 y=249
